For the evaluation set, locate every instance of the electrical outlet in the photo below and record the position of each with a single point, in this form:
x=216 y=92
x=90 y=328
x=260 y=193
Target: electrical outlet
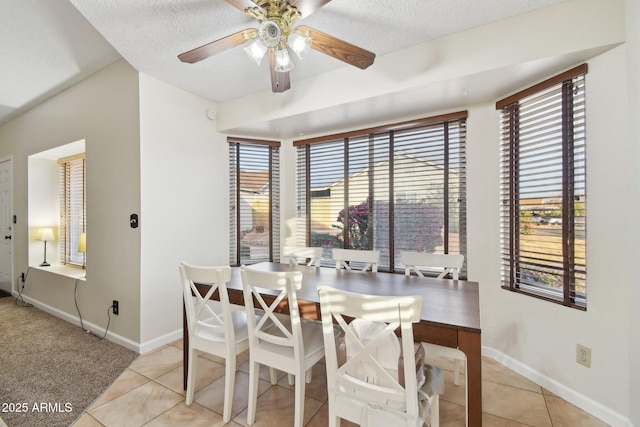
x=583 y=355
x=115 y=306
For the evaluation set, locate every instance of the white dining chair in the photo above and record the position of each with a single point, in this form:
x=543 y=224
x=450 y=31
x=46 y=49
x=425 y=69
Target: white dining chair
x=279 y=341
x=344 y=257
x=213 y=328
x=295 y=253
x=378 y=383
x=449 y=264
x=444 y=263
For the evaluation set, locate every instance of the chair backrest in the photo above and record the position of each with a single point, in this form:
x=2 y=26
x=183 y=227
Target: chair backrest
x=379 y=387
x=449 y=263
x=370 y=258
x=270 y=328
x=294 y=253
x=199 y=311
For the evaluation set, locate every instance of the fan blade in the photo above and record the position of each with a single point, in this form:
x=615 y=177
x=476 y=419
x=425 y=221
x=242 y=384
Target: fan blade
x=280 y=82
x=241 y=4
x=306 y=7
x=215 y=47
x=339 y=49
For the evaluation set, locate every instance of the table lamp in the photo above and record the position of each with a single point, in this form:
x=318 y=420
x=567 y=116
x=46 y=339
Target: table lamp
x=46 y=235
x=82 y=248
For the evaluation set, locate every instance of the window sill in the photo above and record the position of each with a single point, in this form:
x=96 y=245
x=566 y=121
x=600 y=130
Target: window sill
x=63 y=270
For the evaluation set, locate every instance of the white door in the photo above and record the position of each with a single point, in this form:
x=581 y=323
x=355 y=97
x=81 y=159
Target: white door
x=6 y=224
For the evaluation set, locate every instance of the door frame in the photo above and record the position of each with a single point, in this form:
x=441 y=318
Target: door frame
x=12 y=224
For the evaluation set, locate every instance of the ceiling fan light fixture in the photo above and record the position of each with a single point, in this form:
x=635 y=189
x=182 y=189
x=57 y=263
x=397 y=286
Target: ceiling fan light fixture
x=269 y=33
x=256 y=51
x=283 y=61
x=300 y=43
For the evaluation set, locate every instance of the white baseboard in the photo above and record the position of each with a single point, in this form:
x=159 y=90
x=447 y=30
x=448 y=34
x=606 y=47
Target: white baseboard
x=75 y=320
x=581 y=401
x=156 y=343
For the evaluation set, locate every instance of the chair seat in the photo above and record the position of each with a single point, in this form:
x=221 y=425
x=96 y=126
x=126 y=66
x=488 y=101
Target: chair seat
x=313 y=343
x=211 y=332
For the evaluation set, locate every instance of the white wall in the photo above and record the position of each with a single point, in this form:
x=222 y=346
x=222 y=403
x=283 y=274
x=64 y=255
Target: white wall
x=184 y=214
x=103 y=110
x=539 y=338
x=44 y=208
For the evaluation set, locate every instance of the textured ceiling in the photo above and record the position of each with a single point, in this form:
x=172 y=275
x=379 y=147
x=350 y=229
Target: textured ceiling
x=48 y=45
x=150 y=34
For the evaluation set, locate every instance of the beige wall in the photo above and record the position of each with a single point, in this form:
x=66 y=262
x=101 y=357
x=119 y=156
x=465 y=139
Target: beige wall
x=103 y=110
x=633 y=156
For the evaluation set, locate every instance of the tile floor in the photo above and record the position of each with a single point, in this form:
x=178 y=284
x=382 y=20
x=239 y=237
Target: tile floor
x=149 y=393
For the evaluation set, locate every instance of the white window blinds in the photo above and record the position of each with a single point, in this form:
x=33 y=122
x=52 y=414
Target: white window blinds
x=254 y=198
x=72 y=208
x=393 y=188
x=543 y=190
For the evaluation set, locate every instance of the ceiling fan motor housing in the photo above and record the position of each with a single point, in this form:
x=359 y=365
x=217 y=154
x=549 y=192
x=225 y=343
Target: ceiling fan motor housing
x=270 y=33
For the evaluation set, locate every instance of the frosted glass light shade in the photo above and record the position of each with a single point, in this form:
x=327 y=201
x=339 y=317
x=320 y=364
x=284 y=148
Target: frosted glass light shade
x=256 y=51
x=283 y=62
x=299 y=43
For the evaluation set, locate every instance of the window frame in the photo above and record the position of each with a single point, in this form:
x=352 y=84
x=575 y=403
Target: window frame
x=304 y=190
x=235 y=215
x=512 y=212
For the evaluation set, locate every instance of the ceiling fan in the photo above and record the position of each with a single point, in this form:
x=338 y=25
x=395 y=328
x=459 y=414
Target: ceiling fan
x=275 y=35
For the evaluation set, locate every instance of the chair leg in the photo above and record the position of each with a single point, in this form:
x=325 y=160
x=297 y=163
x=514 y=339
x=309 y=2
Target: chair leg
x=299 y=401
x=273 y=376
x=191 y=376
x=435 y=411
x=229 y=383
x=309 y=375
x=254 y=370
x=290 y=378
x=456 y=371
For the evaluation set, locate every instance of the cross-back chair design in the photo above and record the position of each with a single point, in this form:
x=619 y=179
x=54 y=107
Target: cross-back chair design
x=450 y=264
x=343 y=258
x=213 y=328
x=368 y=387
x=279 y=341
x=295 y=253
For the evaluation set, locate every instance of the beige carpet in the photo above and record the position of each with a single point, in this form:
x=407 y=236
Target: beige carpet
x=51 y=370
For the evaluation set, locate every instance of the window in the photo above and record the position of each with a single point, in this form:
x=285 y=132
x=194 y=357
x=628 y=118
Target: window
x=543 y=190
x=254 y=168
x=72 y=208
x=392 y=188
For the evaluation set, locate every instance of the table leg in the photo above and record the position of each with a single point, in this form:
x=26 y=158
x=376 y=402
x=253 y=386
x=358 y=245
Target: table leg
x=469 y=344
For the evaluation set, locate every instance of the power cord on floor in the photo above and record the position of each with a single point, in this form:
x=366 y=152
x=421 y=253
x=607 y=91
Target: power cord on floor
x=75 y=297
x=23 y=278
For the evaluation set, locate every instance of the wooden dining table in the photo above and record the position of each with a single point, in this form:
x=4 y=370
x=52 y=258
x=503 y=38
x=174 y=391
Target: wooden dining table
x=450 y=311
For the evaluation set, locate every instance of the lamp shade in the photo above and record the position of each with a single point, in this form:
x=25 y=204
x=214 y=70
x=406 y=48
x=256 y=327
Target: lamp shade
x=46 y=234
x=82 y=243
